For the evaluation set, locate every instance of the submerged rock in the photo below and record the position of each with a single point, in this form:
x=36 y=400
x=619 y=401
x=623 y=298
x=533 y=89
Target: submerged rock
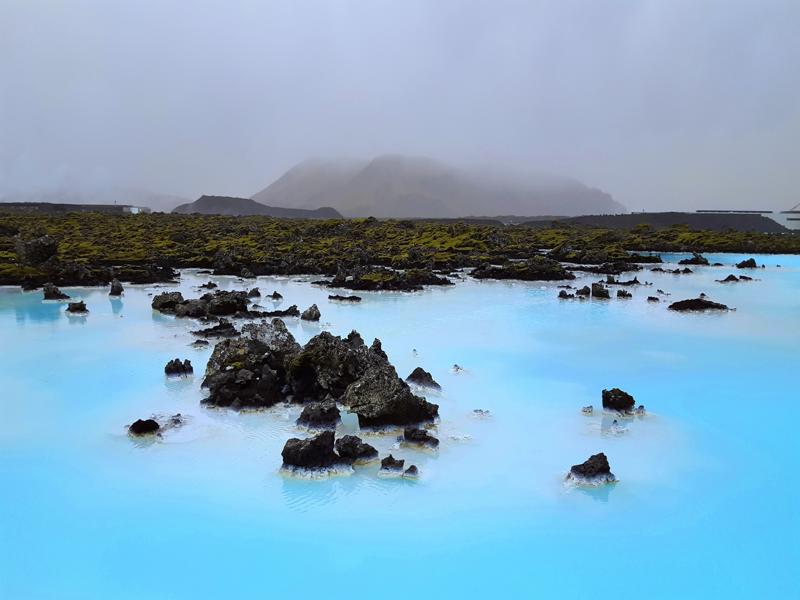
x=340 y=298
x=624 y=294
x=209 y=285
x=750 y=263
x=587 y=410
x=595 y=470
x=312 y=453
x=144 y=427
x=616 y=399
x=381 y=398
x=320 y=415
x=421 y=377
x=254 y=293
x=77 y=307
x=696 y=304
x=116 y=288
x=564 y=295
x=311 y=313
x=351 y=449
x=390 y=463
x=653 y=299
x=222 y=329
x=415 y=435
x=275 y=296
x=176 y=367
x=51 y=292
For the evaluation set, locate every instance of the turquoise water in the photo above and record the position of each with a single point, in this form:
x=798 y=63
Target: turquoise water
x=706 y=504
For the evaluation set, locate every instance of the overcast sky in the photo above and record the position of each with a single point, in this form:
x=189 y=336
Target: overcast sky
x=664 y=104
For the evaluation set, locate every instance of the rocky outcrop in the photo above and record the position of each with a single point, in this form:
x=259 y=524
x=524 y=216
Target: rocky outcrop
x=420 y=376
x=564 y=295
x=624 y=294
x=381 y=398
x=77 y=307
x=328 y=364
x=292 y=311
x=144 y=427
x=254 y=293
x=585 y=291
x=750 y=263
x=653 y=299
x=275 y=295
x=538 y=268
x=167 y=301
x=696 y=304
x=251 y=371
x=371 y=278
x=600 y=291
x=351 y=449
x=415 y=435
x=208 y=285
x=116 y=288
x=51 y=292
x=595 y=470
x=390 y=463
x=320 y=415
x=616 y=399
x=340 y=298
x=696 y=259
x=178 y=367
x=311 y=313
x=312 y=453
x=219 y=303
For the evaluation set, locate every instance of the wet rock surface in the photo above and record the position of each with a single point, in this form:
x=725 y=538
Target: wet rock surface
x=594 y=470
x=696 y=304
x=51 y=292
x=415 y=435
x=144 y=427
x=116 y=288
x=312 y=453
x=696 y=259
x=352 y=449
x=178 y=367
x=421 y=377
x=339 y=298
x=390 y=463
x=77 y=307
x=222 y=329
x=616 y=399
x=320 y=415
x=311 y=313
x=750 y=263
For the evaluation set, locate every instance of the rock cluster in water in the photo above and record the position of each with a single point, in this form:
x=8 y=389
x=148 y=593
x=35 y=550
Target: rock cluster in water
x=421 y=377
x=538 y=268
x=322 y=451
x=51 y=292
x=266 y=365
x=178 y=367
x=616 y=399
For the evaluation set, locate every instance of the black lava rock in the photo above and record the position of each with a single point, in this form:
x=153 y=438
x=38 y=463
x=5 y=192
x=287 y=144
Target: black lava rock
x=616 y=399
x=415 y=435
x=351 y=448
x=421 y=377
x=320 y=415
x=312 y=453
x=143 y=427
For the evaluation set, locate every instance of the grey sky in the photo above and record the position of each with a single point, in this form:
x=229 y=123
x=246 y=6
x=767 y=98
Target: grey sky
x=664 y=104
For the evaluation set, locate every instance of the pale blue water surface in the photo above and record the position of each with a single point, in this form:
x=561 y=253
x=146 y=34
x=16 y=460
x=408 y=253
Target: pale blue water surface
x=706 y=504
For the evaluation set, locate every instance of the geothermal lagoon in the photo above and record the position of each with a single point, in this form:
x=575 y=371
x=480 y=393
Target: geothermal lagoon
x=705 y=504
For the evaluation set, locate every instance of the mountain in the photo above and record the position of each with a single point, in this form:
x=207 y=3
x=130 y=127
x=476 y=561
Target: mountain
x=227 y=205
x=407 y=187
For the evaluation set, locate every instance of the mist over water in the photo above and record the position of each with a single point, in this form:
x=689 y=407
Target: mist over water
x=663 y=105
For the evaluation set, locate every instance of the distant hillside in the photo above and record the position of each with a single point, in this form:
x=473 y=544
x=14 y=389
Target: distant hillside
x=713 y=222
x=85 y=194
x=408 y=187
x=226 y=205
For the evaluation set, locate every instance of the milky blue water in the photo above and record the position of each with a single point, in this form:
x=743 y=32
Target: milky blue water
x=706 y=504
